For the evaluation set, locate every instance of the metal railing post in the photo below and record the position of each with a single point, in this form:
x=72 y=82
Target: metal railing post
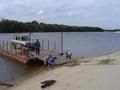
x=11 y=47
x=61 y=42
x=15 y=50
x=7 y=45
x=0 y=44
x=21 y=51
x=48 y=45
x=54 y=46
x=42 y=44
x=3 y=44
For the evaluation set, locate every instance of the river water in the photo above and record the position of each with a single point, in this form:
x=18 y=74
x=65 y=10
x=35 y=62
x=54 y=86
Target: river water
x=81 y=44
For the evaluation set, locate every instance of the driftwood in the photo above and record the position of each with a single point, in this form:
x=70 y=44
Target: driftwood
x=47 y=83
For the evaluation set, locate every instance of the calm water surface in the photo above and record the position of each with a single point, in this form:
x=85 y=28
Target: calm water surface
x=80 y=44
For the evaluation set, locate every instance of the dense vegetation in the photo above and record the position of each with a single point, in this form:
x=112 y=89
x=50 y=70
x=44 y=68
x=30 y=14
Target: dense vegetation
x=112 y=30
x=12 y=26
x=115 y=30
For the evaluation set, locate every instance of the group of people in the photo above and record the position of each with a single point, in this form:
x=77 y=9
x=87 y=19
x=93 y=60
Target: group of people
x=50 y=60
x=37 y=47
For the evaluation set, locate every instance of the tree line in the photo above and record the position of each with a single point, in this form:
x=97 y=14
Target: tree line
x=13 y=26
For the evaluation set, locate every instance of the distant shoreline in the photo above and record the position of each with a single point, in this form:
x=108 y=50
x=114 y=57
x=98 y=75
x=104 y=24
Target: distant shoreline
x=14 y=26
x=34 y=32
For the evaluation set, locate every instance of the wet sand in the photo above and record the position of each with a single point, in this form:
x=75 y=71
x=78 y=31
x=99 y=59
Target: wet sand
x=93 y=73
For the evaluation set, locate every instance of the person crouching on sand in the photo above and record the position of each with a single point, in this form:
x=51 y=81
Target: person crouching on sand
x=51 y=61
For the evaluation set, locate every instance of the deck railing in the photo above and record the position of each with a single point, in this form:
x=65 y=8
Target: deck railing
x=48 y=45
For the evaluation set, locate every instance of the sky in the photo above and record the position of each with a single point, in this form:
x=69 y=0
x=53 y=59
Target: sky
x=98 y=13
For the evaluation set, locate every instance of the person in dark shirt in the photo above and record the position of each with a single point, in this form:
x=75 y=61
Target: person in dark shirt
x=37 y=47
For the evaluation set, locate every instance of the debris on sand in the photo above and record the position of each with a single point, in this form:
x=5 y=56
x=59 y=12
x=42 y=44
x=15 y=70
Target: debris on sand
x=73 y=63
x=106 y=62
x=47 y=83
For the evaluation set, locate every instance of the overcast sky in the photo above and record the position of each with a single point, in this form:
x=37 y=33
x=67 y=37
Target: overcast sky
x=101 y=13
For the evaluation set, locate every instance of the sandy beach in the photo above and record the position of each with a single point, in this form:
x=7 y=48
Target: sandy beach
x=92 y=73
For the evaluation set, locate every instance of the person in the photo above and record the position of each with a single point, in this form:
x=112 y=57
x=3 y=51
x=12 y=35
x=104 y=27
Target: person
x=68 y=54
x=25 y=50
x=37 y=47
x=51 y=62
x=47 y=58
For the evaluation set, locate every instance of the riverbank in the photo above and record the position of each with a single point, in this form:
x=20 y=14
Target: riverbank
x=93 y=73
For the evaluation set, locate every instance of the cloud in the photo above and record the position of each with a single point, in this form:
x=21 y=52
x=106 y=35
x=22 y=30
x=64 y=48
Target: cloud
x=40 y=12
x=103 y=13
x=71 y=13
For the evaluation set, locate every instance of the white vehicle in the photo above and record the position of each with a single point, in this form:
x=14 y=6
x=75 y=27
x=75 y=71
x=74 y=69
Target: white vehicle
x=22 y=40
